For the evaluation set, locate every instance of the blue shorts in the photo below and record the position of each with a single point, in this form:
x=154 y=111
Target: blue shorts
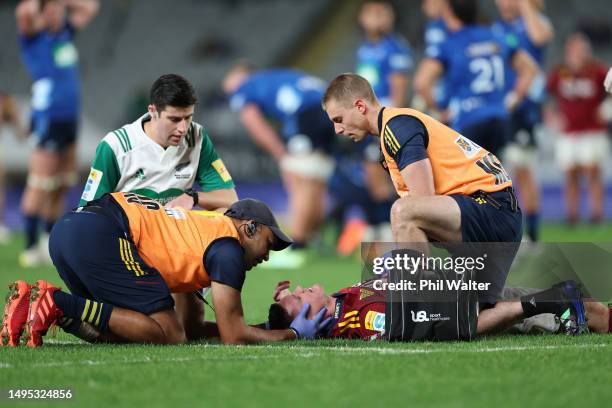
x=53 y=135
x=97 y=261
x=484 y=222
x=492 y=134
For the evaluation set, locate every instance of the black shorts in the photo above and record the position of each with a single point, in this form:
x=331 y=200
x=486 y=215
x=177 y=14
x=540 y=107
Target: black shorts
x=97 y=261
x=492 y=134
x=315 y=124
x=484 y=222
x=522 y=126
x=53 y=135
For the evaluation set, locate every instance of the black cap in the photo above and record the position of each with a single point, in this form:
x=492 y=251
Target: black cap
x=258 y=211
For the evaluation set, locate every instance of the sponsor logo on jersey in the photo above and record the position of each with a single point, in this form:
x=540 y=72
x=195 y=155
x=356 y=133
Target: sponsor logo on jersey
x=182 y=171
x=139 y=175
x=364 y=293
x=375 y=321
x=220 y=167
x=92 y=184
x=470 y=149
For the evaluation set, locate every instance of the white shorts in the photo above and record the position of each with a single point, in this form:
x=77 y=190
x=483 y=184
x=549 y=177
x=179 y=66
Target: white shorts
x=314 y=165
x=518 y=155
x=582 y=149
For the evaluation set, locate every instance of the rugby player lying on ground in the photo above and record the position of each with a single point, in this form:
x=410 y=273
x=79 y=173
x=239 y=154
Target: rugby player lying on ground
x=359 y=311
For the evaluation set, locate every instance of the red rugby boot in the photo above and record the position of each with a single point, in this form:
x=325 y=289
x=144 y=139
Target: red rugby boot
x=43 y=312
x=15 y=313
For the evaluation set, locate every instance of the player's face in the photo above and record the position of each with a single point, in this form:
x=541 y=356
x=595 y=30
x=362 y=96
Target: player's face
x=348 y=120
x=577 y=52
x=432 y=8
x=257 y=249
x=508 y=9
x=376 y=18
x=315 y=296
x=54 y=13
x=172 y=124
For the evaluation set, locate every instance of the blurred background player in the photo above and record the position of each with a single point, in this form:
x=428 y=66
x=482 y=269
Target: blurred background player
x=46 y=32
x=435 y=34
x=582 y=144
x=9 y=115
x=473 y=62
x=302 y=147
x=521 y=22
x=384 y=58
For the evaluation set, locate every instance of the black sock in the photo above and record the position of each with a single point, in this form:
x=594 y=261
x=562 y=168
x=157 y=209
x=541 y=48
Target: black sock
x=75 y=307
x=548 y=301
x=49 y=225
x=298 y=245
x=532 y=221
x=31 y=230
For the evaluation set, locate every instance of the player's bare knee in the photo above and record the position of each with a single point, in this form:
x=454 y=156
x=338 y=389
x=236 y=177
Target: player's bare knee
x=402 y=213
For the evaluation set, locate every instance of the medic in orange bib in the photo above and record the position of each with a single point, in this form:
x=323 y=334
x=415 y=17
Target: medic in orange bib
x=451 y=190
x=122 y=255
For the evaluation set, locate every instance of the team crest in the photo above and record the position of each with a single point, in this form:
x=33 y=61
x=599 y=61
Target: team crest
x=470 y=149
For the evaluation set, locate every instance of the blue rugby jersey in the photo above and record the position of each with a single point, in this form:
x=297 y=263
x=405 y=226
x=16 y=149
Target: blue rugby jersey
x=377 y=61
x=475 y=63
x=281 y=94
x=52 y=61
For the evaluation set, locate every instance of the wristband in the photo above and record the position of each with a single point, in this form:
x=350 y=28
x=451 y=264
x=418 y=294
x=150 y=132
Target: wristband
x=193 y=194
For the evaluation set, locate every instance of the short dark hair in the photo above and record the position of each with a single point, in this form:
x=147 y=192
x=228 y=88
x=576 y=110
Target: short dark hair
x=465 y=10
x=172 y=90
x=278 y=318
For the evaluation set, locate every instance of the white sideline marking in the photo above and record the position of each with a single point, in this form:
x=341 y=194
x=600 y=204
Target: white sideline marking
x=304 y=351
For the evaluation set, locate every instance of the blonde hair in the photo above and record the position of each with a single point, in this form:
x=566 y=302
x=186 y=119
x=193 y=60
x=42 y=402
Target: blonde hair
x=345 y=88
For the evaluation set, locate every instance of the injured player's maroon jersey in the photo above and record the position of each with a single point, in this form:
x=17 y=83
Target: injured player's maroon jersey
x=360 y=313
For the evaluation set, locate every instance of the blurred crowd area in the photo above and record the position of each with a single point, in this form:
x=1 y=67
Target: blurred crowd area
x=131 y=43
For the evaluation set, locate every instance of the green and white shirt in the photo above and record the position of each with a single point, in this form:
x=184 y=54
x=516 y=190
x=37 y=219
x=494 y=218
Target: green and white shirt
x=129 y=160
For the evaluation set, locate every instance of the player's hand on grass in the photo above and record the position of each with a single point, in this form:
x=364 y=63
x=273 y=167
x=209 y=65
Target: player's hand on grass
x=309 y=329
x=184 y=201
x=281 y=290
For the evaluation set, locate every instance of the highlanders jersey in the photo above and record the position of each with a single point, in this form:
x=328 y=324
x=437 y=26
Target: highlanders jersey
x=52 y=60
x=129 y=160
x=377 y=61
x=174 y=241
x=475 y=63
x=459 y=166
x=359 y=313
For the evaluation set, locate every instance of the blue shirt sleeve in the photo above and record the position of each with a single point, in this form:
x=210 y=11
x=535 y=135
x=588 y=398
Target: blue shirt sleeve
x=438 y=52
x=400 y=57
x=406 y=140
x=224 y=262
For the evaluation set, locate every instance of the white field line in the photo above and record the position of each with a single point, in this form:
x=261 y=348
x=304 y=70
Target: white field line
x=303 y=351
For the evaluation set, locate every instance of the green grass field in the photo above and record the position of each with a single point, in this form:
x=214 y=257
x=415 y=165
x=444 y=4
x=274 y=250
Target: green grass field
x=495 y=371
